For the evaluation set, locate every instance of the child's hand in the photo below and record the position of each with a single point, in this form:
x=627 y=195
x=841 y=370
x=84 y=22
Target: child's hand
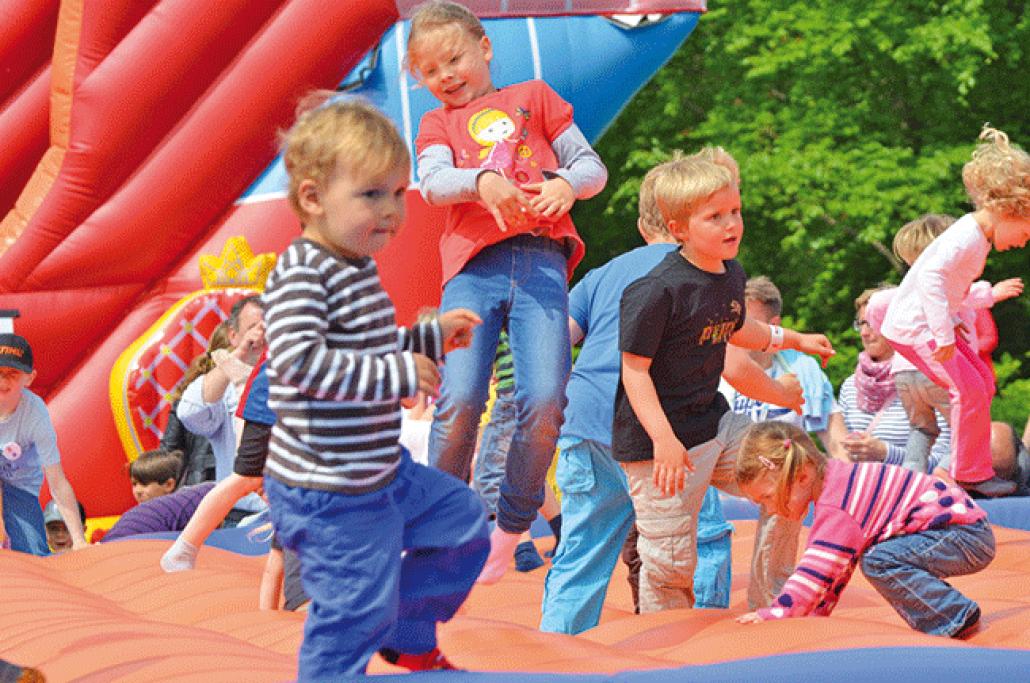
x=793 y=396
x=508 y=204
x=944 y=353
x=554 y=199
x=816 y=344
x=428 y=374
x=1007 y=289
x=750 y=618
x=671 y=463
x=457 y=325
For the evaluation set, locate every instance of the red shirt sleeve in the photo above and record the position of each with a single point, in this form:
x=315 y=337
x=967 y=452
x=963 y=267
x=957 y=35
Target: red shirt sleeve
x=556 y=112
x=432 y=130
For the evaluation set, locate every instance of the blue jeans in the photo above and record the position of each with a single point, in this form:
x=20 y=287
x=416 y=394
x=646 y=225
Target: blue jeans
x=520 y=283
x=494 y=445
x=714 y=571
x=908 y=572
x=597 y=514
x=23 y=519
x=365 y=595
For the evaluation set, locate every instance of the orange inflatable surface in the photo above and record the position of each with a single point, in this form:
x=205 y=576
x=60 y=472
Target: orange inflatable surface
x=108 y=613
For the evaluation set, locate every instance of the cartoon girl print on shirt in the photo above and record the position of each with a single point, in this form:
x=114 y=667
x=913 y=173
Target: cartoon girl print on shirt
x=502 y=149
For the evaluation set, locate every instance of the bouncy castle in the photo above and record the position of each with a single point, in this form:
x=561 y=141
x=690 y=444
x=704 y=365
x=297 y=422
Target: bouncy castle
x=141 y=194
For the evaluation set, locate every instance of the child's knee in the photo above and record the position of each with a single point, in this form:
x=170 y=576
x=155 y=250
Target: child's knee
x=876 y=565
x=543 y=405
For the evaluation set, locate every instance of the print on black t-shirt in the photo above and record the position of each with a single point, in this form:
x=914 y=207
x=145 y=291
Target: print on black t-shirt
x=681 y=317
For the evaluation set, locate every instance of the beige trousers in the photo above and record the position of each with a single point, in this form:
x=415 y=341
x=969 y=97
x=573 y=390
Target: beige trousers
x=668 y=526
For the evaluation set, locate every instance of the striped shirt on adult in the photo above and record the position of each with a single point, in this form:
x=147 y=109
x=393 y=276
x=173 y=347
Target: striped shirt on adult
x=338 y=366
x=861 y=504
x=892 y=426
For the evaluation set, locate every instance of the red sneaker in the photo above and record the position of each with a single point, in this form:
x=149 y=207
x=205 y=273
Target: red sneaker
x=427 y=661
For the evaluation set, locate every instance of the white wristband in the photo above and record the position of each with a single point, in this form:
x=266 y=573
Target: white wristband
x=775 y=339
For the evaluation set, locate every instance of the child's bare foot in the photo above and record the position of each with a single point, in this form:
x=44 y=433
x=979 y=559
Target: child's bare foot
x=502 y=549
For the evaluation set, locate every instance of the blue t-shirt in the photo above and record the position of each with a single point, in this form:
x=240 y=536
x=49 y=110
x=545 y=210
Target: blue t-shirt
x=28 y=443
x=594 y=305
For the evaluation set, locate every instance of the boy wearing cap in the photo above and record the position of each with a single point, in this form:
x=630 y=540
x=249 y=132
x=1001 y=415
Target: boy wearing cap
x=28 y=446
x=57 y=535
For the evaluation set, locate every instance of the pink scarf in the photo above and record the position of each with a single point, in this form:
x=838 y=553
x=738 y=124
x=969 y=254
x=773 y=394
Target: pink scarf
x=873 y=383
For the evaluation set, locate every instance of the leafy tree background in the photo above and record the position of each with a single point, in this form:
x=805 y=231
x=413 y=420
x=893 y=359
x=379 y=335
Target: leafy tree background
x=848 y=119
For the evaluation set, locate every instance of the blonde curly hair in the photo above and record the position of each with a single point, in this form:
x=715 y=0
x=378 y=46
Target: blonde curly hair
x=997 y=178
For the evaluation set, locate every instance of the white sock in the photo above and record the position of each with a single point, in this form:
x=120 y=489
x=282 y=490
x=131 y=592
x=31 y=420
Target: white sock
x=502 y=550
x=180 y=557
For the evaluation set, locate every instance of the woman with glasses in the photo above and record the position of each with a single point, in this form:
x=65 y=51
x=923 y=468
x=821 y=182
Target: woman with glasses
x=873 y=414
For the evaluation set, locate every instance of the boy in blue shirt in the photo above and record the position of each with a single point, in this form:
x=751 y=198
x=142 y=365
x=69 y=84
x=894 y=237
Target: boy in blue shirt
x=29 y=447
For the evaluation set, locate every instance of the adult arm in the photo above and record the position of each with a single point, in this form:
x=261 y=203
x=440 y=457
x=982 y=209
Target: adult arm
x=231 y=367
x=201 y=417
x=833 y=436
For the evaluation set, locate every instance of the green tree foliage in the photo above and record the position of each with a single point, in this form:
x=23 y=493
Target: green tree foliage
x=848 y=118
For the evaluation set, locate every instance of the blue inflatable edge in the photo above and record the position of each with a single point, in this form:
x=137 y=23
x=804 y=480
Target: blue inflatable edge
x=909 y=664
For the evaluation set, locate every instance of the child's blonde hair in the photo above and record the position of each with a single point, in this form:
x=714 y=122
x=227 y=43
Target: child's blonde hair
x=651 y=222
x=761 y=289
x=435 y=14
x=915 y=236
x=325 y=130
x=781 y=449
x=997 y=178
x=719 y=156
x=683 y=183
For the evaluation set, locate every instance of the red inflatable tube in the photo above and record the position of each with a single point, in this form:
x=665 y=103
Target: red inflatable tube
x=26 y=41
x=123 y=107
x=23 y=128
x=98 y=287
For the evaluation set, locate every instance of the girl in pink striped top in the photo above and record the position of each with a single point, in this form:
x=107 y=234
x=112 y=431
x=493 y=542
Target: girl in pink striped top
x=907 y=530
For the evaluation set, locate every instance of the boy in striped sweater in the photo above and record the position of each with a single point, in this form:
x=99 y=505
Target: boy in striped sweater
x=387 y=547
x=908 y=530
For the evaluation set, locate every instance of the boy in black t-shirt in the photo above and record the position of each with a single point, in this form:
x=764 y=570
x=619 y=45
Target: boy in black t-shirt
x=673 y=431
